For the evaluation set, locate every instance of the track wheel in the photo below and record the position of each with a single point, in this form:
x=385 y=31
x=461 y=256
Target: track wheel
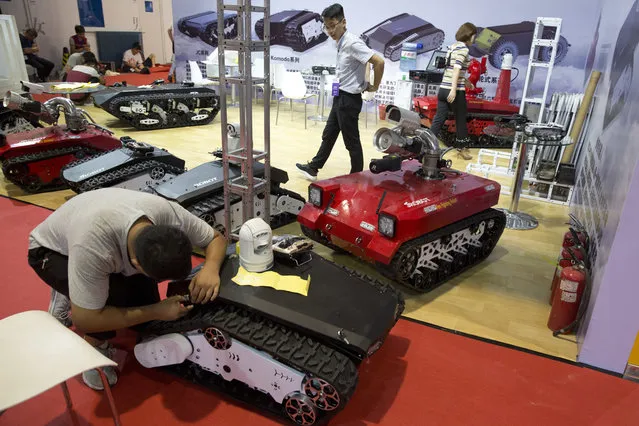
x=407 y=264
x=217 y=338
x=323 y=395
x=300 y=409
x=425 y=280
x=32 y=184
x=17 y=171
x=157 y=173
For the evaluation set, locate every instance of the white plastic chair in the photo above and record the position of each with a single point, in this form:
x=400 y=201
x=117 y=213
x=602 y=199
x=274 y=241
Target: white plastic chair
x=196 y=75
x=278 y=74
x=38 y=353
x=294 y=88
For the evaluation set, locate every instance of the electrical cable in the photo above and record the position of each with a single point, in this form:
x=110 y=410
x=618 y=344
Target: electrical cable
x=516 y=75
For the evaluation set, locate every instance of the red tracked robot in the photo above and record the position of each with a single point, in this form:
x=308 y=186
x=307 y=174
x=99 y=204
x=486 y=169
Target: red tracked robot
x=33 y=160
x=481 y=112
x=417 y=220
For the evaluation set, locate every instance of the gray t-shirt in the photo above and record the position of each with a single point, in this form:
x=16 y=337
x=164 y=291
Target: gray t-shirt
x=352 y=56
x=92 y=229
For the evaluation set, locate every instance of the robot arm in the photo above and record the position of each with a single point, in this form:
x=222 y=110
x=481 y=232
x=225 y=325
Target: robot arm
x=408 y=140
x=49 y=111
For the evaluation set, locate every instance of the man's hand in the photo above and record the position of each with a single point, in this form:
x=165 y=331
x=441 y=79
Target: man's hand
x=171 y=308
x=451 y=96
x=205 y=285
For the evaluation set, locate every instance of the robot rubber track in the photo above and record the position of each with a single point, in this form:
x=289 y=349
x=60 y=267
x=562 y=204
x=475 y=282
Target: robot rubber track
x=207 y=208
x=482 y=141
x=404 y=267
x=451 y=241
x=158 y=111
x=120 y=175
x=285 y=345
x=15 y=169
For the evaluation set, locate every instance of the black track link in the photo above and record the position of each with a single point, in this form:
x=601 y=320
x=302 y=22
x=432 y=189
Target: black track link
x=39 y=156
x=122 y=174
x=173 y=119
x=460 y=263
x=215 y=203
x=73 y=185
x=482 y=141
x=283 y=344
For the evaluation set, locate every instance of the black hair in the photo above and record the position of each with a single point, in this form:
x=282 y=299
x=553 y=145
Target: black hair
x=89 y=58
x=31 y=32
x=334 y=11
x=79 y=29
x=136 y=45
x=163 y=252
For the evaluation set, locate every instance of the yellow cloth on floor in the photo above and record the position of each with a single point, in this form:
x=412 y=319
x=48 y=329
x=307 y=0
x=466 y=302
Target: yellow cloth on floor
x=291 y=283
x=74 y=86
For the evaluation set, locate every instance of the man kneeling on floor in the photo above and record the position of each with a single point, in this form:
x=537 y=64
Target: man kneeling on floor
x=104 y=252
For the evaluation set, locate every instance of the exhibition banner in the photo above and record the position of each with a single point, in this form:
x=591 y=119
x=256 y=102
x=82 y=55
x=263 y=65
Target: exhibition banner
x=609 y=156
x=297 y=40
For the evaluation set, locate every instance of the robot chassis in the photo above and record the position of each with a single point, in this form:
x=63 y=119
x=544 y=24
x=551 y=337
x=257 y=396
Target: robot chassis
x=280 y=351
x=33 y=159
x=433 y=222
x=161 y=106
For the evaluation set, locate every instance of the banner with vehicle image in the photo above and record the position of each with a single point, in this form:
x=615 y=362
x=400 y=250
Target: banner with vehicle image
x=298 y=42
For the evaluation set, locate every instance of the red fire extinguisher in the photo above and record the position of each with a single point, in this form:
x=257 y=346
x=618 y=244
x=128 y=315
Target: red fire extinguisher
x=577 y=241
x=567 y=298
x=565 y=260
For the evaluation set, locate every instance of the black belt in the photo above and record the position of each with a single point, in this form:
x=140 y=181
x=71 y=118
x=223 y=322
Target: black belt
x=342 y=92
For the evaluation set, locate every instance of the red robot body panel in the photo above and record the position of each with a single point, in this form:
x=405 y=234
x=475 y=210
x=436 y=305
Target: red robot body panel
x=414 y=218
x=351 y=205
x=34 y=160
x=481 y=112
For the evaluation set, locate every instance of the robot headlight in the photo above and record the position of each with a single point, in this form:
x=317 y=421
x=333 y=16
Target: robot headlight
x=386 y=225
x=315 y=195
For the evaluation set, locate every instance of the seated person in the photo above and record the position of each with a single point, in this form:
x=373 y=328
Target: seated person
x=133 y=60
x=30 y=49
x=79 y=43
x=87 y=71
x=74 y=59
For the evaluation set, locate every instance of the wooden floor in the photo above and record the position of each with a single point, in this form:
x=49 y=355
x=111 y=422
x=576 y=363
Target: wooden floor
x=505 y=298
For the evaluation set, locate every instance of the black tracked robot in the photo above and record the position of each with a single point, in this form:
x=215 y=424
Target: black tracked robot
x=298 y=29
x=292 y=355
x=201 y=191
x=387 y=36
x=204 y=25
x=137 y=166
x=160 y=106
x=143 y=167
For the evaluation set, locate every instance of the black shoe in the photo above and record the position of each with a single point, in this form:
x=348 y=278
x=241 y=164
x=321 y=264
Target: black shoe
x=308 y=172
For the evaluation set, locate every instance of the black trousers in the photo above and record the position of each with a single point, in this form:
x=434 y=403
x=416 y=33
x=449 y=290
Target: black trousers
x=43 y=66
x=458 y=107
x=344 y=117
x=124 y=291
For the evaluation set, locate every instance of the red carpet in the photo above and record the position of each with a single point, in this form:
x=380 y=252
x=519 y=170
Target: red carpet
x=421 y=376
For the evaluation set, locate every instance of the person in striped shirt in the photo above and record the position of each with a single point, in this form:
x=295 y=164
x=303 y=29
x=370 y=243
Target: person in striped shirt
x=455 y=77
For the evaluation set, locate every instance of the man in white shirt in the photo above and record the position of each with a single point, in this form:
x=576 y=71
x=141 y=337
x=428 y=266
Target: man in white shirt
x=133 y=60
x=353 y=59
